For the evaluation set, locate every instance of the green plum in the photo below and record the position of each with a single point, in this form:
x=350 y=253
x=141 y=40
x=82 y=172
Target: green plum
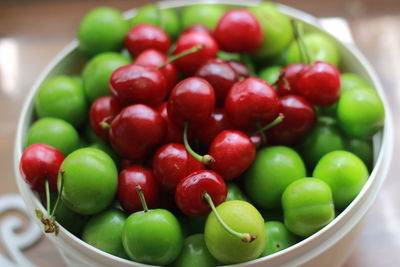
x=271 y=172
x=270 y=74
x=54 y=132
x=360 y=112
x=234 y=192
x=345 y=173
x=319 y=46
x=62 y=97
x=104 y=231
x=277 y=30
x=322 y=139
x=195 y=253
x=97 y=72
x=206 y=14
x=228 y=56
x=89 y=178
x=278 y=237
x=307 y=206
x=362 y=148
x=240 y=216
x=102 y=29
x=351 y=80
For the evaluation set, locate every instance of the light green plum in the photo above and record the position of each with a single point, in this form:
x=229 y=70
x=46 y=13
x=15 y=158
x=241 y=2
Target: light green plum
x=270 y=74
x=351 y=80
x=206 y=14
x=234 y=192
x=278 y=237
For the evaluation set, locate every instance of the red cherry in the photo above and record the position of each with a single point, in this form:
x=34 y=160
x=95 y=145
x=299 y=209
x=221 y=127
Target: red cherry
x=101 y=114
x=287 y=83
x=198 y=28
x=220 y=75
x=251 y=104
x=320 y=84
x=136 y=131
x=171 y=163
x=154 y=58
x=193 y=100
x=300 y=117
x=239 y=31
x=132 y=84
x=38 y=163
x=174 y=134
x=129 y=178
x=189 y=64
x=217 y=123
x=240 y=68
x=146 y=36
x=233 y=152
x=189 y=194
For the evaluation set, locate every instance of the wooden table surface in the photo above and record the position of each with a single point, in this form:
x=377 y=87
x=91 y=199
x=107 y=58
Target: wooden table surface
x=32 y=32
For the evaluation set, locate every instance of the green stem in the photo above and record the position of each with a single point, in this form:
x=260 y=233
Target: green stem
x=206 y=159
x=245 y=58
x=59 y=194
x=142 y=199
x=245 y=237
x=275 y=122
x=47 y=188
x=189 y=51
x=304 y=54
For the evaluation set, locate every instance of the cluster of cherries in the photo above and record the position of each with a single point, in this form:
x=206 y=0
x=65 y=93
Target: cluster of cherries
x=151 y=119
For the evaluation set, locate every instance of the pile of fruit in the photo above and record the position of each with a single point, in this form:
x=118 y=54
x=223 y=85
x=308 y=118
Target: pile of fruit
x=200 y=137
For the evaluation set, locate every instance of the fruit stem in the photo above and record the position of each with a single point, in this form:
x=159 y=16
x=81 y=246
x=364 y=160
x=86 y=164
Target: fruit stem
x=245 y=237
x=275 y=122
x=104 y=124
x=47 y=188
x=304 y=54
x=189 y=51
x=48 y=221
x=59 y=194
x=245 y=58
x=206 y=159
x=142 y=199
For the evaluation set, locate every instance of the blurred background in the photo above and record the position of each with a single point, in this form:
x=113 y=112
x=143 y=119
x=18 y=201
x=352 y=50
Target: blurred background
x=32 y=32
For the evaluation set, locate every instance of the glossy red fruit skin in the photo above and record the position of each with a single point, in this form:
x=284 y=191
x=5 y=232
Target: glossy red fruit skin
x=233 y=152
x=217 y=123
x=198 y=28
x=154 y=58
x=250 y=102
x=129 y=178
x=146 y=36
x=320 y=84
x=171 y=163
x=220 y=75
x=299 y=118
x=174 y=134
x=239 y=31
x=134 y=84
x=240 y=68
x=190 y=190
x=38 y=163
x=137 y=131
x=103 y=109
x=193 y=100
x=287 y=84
x=189 y=64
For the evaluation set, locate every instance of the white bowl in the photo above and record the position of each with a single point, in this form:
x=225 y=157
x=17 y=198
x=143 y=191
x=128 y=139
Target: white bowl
x=328 y=247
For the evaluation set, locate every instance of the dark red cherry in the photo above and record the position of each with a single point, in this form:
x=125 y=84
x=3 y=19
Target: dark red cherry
x=251 y=104
x=134 y=84
x=287 y=83
x=189 y=194
x=129 y=178
x=192 y=100
x=239 y=31
x=189 y=64
x=39 y=163
x=146 y=36
x=320 y=84
x=101 y=114
x=198 y=28
x=174 y=134
x=240 y=68
x=171 y=163
x=220 y=75
x=300 y=117
x=233 y=152
x=155 y=58
x=137 y=131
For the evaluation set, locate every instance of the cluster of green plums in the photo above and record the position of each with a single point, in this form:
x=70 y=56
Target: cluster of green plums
x=298 y=190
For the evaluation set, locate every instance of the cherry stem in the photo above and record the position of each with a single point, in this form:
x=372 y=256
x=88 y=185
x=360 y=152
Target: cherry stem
x=189 y=51
x=245 y=58
x=104 y=124
x=304 y=54
x=59 y=194
x=47 y=188
x=206 y=159
x=275 y=122
x=142 y=199
x=262 y=134
x=245 y=237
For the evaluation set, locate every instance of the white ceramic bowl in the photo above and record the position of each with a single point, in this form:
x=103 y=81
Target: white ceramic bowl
x=328 y=247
